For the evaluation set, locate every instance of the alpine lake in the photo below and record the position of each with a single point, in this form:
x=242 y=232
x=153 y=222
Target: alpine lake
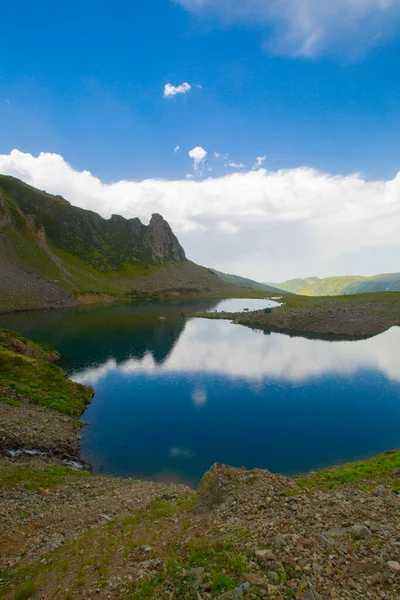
x=176 y=394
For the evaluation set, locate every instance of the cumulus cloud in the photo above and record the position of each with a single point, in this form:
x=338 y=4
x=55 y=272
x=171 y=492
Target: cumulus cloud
x=290 y=222
x=259 y=161
x=309 y=28
x=198 y=155
x=171 y=90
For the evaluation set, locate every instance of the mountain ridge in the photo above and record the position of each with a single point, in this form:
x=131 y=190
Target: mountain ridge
x=342 y=285
x=55 y=254
x=249 y=283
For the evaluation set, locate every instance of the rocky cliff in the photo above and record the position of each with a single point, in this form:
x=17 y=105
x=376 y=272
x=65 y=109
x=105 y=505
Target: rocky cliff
x=54 y=253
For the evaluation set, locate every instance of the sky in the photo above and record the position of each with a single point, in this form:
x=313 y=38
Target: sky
x=266 y=132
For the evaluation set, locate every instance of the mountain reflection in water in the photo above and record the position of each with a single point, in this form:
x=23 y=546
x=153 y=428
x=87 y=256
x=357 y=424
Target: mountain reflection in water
x=174 y=395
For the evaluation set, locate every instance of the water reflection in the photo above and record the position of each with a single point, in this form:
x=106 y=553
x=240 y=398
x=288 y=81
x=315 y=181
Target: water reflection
x=242 y=304
x=238 y=352
x=175 y=395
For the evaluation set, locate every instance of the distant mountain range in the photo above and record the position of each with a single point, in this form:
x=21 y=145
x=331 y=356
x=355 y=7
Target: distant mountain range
x=337 y=286
x=249 y=283
x=54 y=254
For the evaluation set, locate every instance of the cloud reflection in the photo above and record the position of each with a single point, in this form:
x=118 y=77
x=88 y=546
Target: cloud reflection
x=238 y=352
x=199 y=397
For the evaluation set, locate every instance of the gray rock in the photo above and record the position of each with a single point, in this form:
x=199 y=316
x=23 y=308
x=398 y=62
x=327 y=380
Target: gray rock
x=322 y=540
x=361 y=531
x=237 y=594
x=311 y=594
x=394 y=566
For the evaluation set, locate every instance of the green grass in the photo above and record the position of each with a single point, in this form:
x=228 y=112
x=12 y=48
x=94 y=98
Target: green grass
x=28 y=590
x=34 y=479
x=375 y=469
x=38 y=381
x=11 y=340
x=223 y=563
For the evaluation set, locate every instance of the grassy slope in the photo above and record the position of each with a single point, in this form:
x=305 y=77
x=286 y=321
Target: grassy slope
x=26 y=375
x=84 y=263
x=375 y=470
x=83 y=254
x=336 y=286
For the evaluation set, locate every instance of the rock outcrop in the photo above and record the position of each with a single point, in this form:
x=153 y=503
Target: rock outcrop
x=53 y=253
x=162 y=242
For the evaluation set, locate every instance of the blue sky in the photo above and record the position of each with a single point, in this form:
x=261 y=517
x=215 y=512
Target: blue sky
x=85 y=81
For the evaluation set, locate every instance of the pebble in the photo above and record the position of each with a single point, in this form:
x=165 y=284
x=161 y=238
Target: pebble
x=394 y=566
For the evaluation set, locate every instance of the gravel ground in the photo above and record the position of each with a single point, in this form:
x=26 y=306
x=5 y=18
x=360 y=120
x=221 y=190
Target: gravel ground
x=91 y=536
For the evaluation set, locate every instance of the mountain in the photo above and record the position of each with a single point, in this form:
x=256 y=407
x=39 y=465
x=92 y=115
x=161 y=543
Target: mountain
x=56 y=254
x=337 y=286
x=248 y=283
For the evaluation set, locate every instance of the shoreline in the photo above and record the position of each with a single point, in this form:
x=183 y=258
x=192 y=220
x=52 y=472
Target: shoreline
x=69 y=534
x=348 y=317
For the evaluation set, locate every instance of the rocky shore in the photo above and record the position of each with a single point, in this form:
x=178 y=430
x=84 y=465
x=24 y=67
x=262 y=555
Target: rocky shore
x=244 y=535
x=356 y=316
x=68 y=534
x=40 y=407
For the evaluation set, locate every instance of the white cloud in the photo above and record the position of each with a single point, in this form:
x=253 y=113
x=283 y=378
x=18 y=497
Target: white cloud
x=234 y=165
x=259 y=161
x=227 y=227
x=171 y=90
x=177 y=148
x=292 y=222
x=310 y=27
x=198 y=155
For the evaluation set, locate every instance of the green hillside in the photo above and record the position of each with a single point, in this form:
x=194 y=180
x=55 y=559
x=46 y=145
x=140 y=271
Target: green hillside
x=337 y=286
x=54 y=254
x=248 y=283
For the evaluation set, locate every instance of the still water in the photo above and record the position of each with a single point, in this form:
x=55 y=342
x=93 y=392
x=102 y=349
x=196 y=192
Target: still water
x=174 y=395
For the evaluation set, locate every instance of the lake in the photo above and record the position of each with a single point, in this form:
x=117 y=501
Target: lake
x=175 y=395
